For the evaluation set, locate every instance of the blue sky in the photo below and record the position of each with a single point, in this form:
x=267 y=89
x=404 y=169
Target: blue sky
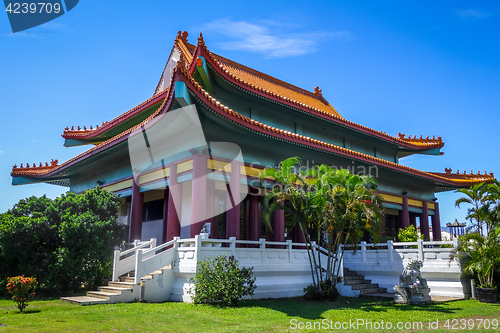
x=430 y=68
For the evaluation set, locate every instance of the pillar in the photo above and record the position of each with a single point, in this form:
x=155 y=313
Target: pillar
x=170 y=217
x=199 y=194
x=436 y=223
x=136 y=212
x=424 y=221
x=278 y=225
x=297 y=234
x=254 y=217
x=233 y=213
x=404 y=215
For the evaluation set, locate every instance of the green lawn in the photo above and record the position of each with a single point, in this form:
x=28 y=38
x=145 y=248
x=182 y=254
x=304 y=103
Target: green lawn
x=251 y=316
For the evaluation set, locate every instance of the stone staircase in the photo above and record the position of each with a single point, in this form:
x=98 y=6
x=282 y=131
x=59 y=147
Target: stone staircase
x=366 y=288
x=122 y=291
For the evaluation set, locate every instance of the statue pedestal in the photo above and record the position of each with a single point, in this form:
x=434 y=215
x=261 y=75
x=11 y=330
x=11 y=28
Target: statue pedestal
x=412 y=288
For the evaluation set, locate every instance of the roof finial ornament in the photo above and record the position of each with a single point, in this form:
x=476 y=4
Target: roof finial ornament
x=53 y=162
x=317 y=91
x=182 y=36
x=200 y=39
x=401 y=135
x=448 y=171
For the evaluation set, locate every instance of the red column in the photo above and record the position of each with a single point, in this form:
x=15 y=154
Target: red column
x=173 y=228
x=136 y=212
x=404 y=214
x=233 y=214
x=199 y=194
x=436 y=223
x=278 y=225
x=297 y=234
x=424 y=221
x=254 y=217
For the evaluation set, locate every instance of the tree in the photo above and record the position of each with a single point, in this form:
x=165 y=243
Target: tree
x=481 y=254
x=476 y=197
x=334 y=204
x=64 y=243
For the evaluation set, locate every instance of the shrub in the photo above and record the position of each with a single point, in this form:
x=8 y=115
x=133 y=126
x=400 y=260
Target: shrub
x=22 y=290
x=408 y=234
x=65 y=243
x=220 y=279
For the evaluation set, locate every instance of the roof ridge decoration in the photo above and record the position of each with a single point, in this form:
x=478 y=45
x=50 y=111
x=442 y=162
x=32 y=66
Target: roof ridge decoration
x=420 y=139
x=71 y=133
x=355 y=154
x=53 y=164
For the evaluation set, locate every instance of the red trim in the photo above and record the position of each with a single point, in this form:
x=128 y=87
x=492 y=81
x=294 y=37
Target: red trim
x=141 y=107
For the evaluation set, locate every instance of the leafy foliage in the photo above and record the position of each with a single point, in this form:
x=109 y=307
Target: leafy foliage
x=65 y=243
x=220 y=279
x=408 y=234
x=334 y=205
x=481 y=254
x=22 y=290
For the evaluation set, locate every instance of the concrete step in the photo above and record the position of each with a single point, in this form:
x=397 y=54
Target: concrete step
x=124 y=285
x=364 y=286
x=372 y=291
x=100 y=294
x=353 y=277
x=113 y=290
x=84 y=300
x=357 y=281
x=127 y=279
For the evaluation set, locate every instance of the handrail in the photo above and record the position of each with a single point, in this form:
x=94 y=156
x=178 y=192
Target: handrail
x=152 y=241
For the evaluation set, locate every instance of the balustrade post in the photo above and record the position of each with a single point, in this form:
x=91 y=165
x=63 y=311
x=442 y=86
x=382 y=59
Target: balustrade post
x=455 y=242
x=420 y=243
x=363 y=251
x=138 y=264
x=390 y=247
x=289 y=247
x=116 y=259
x=263 y=248
x=233 y=245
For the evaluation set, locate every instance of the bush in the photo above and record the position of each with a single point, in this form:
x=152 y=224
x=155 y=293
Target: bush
x=65 y=243
x=220 y=279
x=408 y=234
x=22 y=290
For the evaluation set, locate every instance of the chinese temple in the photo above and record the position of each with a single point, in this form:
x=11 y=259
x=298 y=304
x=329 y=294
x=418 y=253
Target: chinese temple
x=269 y=120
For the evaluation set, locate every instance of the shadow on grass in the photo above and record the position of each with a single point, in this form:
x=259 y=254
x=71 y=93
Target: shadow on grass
x=29 y=311
x=313 y=310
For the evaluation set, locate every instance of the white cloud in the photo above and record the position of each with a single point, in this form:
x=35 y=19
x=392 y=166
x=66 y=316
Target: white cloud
x=1 y=151
x=270 y=42
x=471 y=13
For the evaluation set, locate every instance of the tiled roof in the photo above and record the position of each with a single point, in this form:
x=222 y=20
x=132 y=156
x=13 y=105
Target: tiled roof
x=84 y=133
x=250 y=79
x=43 y=171
x=289 y=136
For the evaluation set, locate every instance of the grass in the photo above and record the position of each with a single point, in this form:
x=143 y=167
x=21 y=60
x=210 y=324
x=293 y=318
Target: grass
x=252 y=316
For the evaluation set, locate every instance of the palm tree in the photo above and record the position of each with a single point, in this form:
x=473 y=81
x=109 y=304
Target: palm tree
x=482 y=255
x=476 y=197
x=331 y=202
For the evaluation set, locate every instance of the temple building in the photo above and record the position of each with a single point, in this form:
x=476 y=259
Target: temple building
x=265 y=120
